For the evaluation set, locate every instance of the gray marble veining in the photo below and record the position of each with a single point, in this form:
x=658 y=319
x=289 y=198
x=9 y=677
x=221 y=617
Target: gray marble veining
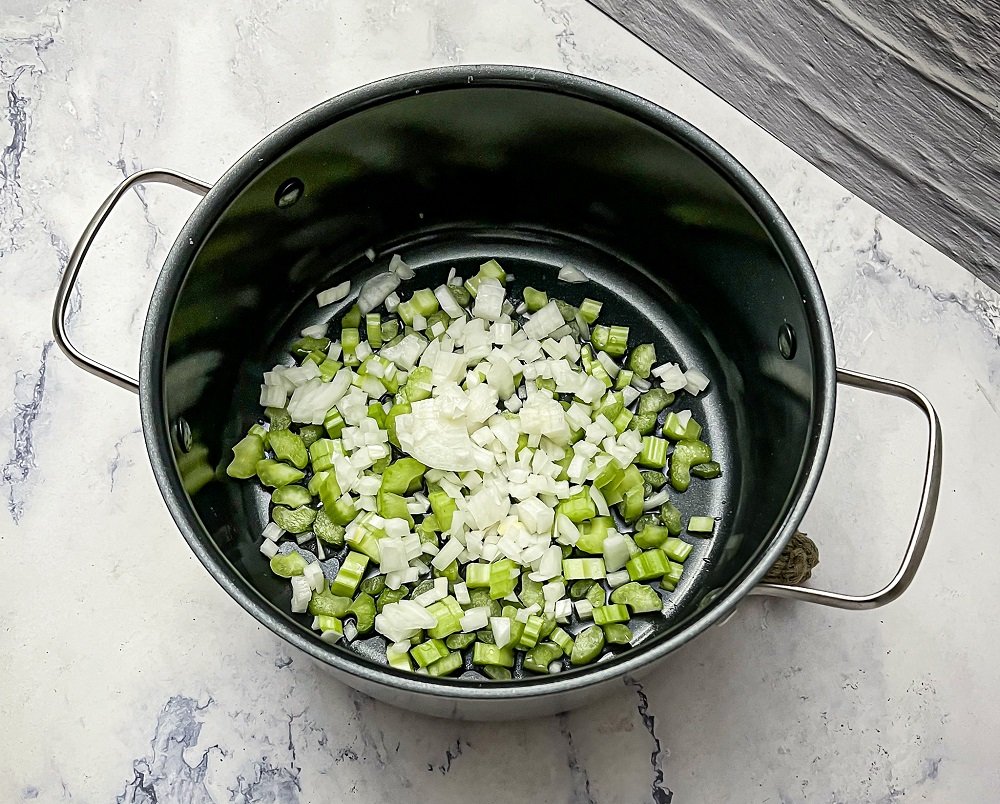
x=128 y=675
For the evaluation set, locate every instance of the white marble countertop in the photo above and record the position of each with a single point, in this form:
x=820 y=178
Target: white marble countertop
x=126 y=672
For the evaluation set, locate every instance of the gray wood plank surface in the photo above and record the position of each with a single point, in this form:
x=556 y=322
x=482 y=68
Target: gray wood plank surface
x=898 y=100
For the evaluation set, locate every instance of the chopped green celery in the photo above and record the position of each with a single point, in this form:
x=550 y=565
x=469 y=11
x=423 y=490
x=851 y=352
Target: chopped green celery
x=687 y=454
x=493 y=270
x=258 y=430
x=563 y=464
x=390 y=329
x=448 y=613
x=654 y=452
x=647 y=565
x=497 y=673
x=400 y=661
x=707 y=470
x=365 y=540
x=575 y=569
x=292 y=496
x=612 y=474
x=477 y=576
x=595 y=595
x=578 y=508
x=405 y=476
x=654 y=400
x=418 y=384
x=623 y=421
x=373 y=586
x=701 y=524
x=279 y=419
x=303 y=346
x=443 y=506
x=673 y=430
x=532 y=631
x=614 y=613
x=390 y=596
x=275 y=474
x=425 y=302
x=334 y=423
x=247 y=453
x=316 y=482
x=460 y=641
x=321 y=454
x=641 y=359
x=350 y=574
x=363 y=609
x=612 y=340
x=562 y=639
x=676 y=549
x=598 y=372
x=670 y=515
x=350 y=338
x=535 y=300
x=504 y=575
x=288 y=564
x=445 y=665
x=327 y=604
x=406 y=311
x=579 y=589
x=566 y=310
x=588 y=646
x=531 y=592
x=483 y=654
x=639 y=597
x=593 y=534
x=624 y=379
x=434 y=318
x=373 y=329
x=326 y=622
x=377 y=414
x=316 y=357
x=545 y=384
x=398 y=409
x=352 y=318
x=651 y=536
x=310 y=433
x=424 y=586
x=328 y=369
x=450 y=572
x=631 y=506
x=645 y=521
x=481 y=598
x=343 y=511
x=617 y=634
x=297 y=520
x=329 y=494
x=428 y=652
x=460 y=294
x=586 y=357
x=516 y=626
x=289 y=447
x=672 y=577
x=541 y=656
x=613 y=404
x=654 y=479
x=590 y=310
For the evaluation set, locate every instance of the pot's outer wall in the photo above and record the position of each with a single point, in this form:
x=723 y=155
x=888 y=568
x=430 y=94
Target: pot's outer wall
x=496 y=158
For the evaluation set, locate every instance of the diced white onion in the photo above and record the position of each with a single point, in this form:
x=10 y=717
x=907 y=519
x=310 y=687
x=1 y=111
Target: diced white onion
x=334 y=294
x=375 y=291
x=570 y=273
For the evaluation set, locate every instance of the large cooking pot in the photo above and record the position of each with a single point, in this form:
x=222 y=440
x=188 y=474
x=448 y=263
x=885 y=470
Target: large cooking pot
x=537 y=168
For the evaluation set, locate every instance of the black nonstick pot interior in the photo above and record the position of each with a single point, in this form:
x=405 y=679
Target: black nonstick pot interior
x=537 y=172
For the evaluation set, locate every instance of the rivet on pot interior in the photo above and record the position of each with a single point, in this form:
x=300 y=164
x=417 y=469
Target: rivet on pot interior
x=289 y=191
x=786 y=341
x=182 y=433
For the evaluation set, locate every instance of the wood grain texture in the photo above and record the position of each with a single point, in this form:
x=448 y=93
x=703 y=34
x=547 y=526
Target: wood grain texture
x=898 y=101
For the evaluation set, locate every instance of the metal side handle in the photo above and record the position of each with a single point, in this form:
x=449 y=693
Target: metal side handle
x=925 y=512
x=152 y=176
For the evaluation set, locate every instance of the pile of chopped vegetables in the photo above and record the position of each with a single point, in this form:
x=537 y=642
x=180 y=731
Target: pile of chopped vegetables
x=490 y=475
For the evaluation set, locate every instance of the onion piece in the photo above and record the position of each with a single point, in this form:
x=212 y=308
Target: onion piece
x=570 y=273
x=376 y=290
x=334 y=294
x=400 y=268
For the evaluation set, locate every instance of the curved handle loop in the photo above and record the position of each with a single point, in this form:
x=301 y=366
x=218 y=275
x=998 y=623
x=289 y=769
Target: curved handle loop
x=155 y=175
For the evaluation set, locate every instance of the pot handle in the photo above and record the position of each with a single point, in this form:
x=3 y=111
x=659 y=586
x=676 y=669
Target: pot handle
x=153 y=175
x=925 y=512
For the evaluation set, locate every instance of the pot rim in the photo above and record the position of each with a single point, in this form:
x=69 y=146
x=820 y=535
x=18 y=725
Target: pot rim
x=185 y=248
